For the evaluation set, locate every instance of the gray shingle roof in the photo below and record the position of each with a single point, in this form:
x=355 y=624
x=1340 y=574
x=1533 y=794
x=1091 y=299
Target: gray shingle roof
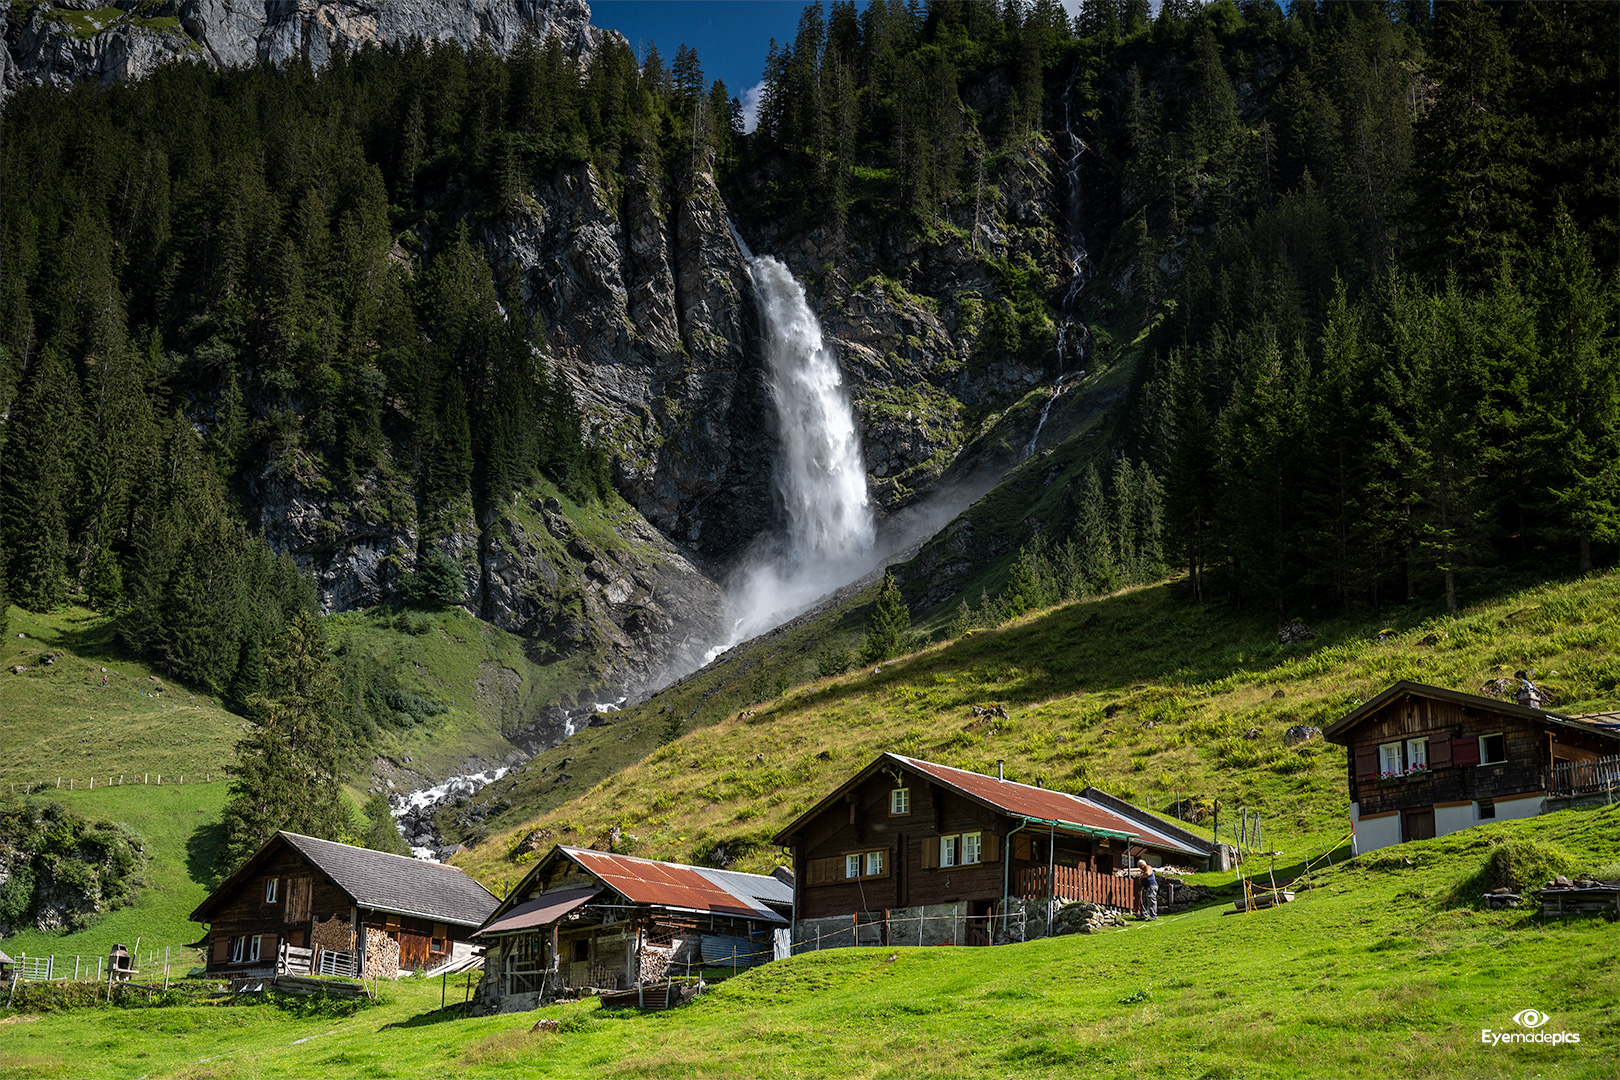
x=397 y=884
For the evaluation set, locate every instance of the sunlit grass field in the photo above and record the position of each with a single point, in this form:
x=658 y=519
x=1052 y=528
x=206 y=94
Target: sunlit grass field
x=1387 y=968
x=1139 y=693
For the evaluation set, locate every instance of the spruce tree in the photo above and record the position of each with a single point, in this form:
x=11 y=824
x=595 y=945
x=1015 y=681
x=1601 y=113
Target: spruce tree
x=40 y=446
x=289 y=769
x=890 y=629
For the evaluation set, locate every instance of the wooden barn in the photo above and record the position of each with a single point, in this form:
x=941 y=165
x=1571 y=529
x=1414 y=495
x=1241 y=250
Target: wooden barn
x=1425 y=761
x=584 y=918
x=305 y=905
x=912 y=852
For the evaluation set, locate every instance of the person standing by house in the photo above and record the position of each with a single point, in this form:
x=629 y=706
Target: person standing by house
x=1148 y=883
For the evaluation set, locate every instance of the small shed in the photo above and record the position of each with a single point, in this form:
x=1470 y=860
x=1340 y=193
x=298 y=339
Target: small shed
x=600 y=920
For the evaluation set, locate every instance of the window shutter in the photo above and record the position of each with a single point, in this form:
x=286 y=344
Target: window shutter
x=222 y=949
x=1465 y=751
x=1366 y=762
x=826 y=871
x=1440 y=750
x=990 y=851
x=930 y=853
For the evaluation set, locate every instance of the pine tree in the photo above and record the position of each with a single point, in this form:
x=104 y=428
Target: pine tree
x=289 y=767
x=890 y=629
x=41 y=445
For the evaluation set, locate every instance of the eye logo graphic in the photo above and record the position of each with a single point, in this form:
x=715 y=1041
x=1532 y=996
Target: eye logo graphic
x=1530 y=1018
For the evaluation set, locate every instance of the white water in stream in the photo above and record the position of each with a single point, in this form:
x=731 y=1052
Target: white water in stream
x=827 y=535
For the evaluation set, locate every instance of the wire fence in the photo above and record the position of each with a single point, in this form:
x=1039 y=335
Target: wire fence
x=74 y=783
x=889 y=930
x=52 y=967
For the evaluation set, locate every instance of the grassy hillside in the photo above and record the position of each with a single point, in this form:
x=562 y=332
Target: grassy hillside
x=463 y=664
x=1137 y=693
x=1387 y=968
x=59 y=720
x=180 y=829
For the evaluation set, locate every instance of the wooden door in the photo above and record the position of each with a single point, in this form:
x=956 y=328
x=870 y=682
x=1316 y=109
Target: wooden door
x=1418 y=824
x=299 y=892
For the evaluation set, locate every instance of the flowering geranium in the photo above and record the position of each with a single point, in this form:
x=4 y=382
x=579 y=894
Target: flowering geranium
x=1391 y=774
x=1417 y=767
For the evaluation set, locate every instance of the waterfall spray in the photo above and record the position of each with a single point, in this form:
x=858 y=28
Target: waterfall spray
x=820 y=478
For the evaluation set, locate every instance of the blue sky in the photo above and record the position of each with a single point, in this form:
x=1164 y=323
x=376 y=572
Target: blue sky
x=730 y=36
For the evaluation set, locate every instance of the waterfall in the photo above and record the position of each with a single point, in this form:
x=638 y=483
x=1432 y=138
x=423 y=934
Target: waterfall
x=1079 y=258
x=827 y=534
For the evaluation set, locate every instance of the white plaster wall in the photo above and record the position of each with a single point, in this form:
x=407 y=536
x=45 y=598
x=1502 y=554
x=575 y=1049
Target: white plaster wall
x=1448 y=819
x=1377 y=833
x=1510 y=809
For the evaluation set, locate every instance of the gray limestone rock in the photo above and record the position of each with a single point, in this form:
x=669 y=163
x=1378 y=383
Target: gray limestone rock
x=125 y=40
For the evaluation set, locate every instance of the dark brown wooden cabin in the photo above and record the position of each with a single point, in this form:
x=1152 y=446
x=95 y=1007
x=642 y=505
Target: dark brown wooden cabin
x=301 y=893
x=910 y=843
x=1425 y=761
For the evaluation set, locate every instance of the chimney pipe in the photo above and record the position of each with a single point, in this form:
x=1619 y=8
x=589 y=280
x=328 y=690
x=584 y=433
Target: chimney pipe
x=999 y=763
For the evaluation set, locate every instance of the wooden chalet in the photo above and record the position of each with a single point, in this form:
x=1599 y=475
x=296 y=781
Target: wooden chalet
x=302 y=905
x=1425 y=761
x=912 y=852
x=584 y=918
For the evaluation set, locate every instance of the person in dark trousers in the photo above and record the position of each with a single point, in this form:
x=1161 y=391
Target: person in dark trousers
x=1149 y=884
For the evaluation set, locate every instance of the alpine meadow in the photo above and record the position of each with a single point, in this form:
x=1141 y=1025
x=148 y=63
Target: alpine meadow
x=785 y=579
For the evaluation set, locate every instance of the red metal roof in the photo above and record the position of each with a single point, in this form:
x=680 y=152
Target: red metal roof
x=1026 y=801
x=643 y=881
x=542 y=910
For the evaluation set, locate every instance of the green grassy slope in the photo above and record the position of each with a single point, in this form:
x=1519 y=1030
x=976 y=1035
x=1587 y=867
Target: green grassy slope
x=1381 y=970
x=59 y=720
x=458 y=661
x=1137 y=693
x=181 y=833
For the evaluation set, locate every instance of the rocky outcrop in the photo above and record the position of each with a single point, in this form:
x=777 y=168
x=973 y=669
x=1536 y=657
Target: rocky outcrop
x=73 y=41
x=60 y=46
x=647 y=305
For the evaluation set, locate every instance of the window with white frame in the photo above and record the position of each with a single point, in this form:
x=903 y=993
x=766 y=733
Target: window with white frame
x=961 y=849
x=1417 y=755
x=900 y=801
x=253 y=948
x=859 y=864
x=238 y=949
x=270 y=890
x=1389 y=760
x=1492 y=749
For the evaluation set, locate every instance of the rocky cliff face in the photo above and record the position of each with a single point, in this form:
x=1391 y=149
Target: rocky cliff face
x=72 y=41
x=647 y=304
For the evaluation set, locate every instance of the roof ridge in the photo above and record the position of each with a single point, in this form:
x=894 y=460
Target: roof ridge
x=373 y=851
x=663 y=862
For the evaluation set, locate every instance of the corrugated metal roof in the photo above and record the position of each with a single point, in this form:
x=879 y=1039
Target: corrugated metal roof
x=542 y=910
x=673 y=885
x=761 y=887
x=1021 y=800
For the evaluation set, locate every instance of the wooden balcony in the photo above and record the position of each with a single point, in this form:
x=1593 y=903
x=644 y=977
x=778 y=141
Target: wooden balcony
x=1076 y=883
x=1570 y=778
